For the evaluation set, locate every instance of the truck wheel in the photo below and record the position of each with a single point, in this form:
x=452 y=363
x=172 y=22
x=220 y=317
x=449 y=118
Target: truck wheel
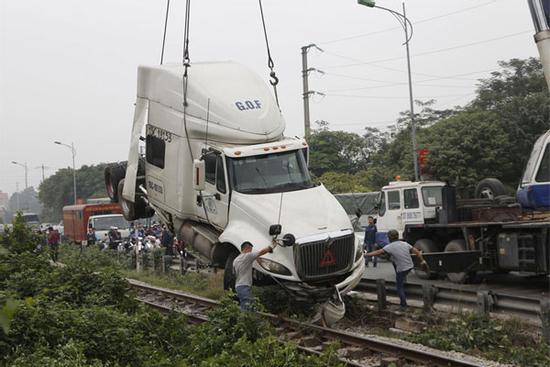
x=114 y=173
x=127 y=206
x=426 y=246
x=462 y=277
x=228 y=274
x=489 y=188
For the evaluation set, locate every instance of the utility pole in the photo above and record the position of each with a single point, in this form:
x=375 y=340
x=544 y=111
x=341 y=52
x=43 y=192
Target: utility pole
x=73 y=153
x=411 y=100
x=17 y=197
x=305 y=85
x=405 y=23
x=24 y=165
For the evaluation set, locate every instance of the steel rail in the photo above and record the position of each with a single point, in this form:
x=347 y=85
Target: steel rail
x=349 y=339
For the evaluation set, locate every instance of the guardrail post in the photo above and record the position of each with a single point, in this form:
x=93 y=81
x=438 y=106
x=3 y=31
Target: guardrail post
x=381 y=293
x=545 y=318
x=183 y=264
x=428 y=297
x=139 y=262
x=166 y=262
x=484 y=302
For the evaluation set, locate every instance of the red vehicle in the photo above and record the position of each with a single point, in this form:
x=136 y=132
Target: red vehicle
x=75 y=218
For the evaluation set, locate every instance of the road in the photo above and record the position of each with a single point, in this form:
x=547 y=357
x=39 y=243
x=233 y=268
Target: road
x=512 y=283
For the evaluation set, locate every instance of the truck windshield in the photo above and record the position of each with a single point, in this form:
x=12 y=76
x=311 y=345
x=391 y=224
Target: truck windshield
x=270 y=173
x=30 y=218
x=105 y=223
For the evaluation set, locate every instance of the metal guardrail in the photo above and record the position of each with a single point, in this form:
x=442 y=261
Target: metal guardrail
x=485 y=301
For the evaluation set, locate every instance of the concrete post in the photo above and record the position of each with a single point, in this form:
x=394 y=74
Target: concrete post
x=428 y=297
x=545 y=318
x=381 y=292
x=484 y=302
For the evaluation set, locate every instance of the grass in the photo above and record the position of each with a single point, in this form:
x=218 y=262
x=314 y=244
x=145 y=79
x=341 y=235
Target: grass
x=209 y=285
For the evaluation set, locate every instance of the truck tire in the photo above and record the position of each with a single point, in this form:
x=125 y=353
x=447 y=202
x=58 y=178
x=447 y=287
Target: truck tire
x=489 y=188
x=426 y=246
x=127 y=206
x=228 y=273
x=114 y=173
x=462 y=277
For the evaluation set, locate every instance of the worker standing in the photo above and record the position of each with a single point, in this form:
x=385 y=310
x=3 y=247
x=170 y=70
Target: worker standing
x=370 y=241
x=400 y=252
x=242 y=266
x=53 y=242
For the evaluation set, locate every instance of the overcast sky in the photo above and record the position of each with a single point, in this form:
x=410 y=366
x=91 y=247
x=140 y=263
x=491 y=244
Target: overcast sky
x=68 y=68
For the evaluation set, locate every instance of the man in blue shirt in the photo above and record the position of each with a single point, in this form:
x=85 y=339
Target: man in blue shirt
x=370 y=241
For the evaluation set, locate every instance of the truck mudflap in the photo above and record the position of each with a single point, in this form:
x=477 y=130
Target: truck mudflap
x=451 y=262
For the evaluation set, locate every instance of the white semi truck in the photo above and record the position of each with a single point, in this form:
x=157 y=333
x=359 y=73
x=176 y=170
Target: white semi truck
x=219 y=172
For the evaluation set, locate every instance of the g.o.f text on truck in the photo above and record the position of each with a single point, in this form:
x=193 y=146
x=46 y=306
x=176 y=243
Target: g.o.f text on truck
x=249 y=105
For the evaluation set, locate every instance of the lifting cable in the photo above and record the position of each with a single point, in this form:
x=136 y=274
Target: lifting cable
x=274 y=80
x=165 y=28
x=186 y=65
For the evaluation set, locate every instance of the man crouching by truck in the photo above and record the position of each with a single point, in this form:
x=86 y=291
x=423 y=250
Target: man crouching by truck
x=400 y=252
x=243 y=273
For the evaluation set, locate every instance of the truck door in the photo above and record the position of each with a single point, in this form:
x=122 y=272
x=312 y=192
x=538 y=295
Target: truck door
x=390 y=218
x=412 y=213
x=215 y=197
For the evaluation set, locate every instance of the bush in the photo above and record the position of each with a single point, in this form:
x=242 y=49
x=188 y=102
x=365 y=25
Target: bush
x=505 y=341
x=73 y=316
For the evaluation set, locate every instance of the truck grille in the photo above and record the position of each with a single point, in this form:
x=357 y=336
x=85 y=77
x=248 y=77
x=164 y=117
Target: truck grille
x=324 y=258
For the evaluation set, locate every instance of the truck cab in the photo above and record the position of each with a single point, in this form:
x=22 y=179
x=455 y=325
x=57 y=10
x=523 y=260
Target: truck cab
x=534 y=190
x=405 y=203
x=219 y=171
x=102 y=224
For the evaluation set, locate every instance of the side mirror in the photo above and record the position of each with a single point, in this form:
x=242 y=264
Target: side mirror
x=198 y=175
x=275 y=229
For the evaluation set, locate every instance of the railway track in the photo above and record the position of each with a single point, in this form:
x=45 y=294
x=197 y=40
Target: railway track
x=357 y=350
x=455 y=297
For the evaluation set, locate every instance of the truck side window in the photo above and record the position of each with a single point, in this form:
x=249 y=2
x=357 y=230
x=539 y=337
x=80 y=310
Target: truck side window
x=393 y=200
x=543 y=175
x=410 y=198
x=155 y=150
x=220 y=176
x=210 y=168
x=382 y=204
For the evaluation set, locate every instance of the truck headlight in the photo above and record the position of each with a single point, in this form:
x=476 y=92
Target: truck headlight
x=358 y=253
x=273 y=267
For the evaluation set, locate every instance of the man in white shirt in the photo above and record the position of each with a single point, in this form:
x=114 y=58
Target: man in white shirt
x=400 y=252
x=243 y=273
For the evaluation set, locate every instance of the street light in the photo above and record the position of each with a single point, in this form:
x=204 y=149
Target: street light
x=73 y=153
x=405 y=23
x=24 y=165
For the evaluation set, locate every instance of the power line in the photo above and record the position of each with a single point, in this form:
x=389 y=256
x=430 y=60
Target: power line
x=387 y=68
x=359 y=62
x=454 y=76
x=393 y=97
x=398 y=84
x=395 y=28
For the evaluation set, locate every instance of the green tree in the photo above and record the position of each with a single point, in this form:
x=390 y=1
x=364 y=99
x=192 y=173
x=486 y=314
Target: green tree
x=337 y=151
x=57 y=190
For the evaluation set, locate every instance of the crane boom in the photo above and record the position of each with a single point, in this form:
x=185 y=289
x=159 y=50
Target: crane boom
x=540 y=12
